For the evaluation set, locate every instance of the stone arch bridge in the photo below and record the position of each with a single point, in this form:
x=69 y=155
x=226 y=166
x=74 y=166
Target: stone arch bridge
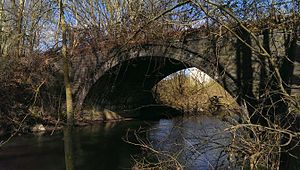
x=123 y=78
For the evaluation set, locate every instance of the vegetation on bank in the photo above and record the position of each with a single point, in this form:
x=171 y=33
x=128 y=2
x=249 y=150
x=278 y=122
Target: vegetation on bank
x=188 y=94
x=25 y=86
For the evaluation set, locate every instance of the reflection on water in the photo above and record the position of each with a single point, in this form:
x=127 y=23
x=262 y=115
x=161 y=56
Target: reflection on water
x=68 y=144
x=199 y=141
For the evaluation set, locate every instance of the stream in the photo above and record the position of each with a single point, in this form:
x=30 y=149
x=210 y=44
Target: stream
x=197 y=143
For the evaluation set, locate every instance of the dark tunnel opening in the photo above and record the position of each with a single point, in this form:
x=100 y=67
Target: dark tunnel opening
x=126 y=89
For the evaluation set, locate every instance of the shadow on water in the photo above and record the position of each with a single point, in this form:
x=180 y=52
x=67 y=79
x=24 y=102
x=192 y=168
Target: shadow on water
x=92 y=147
x=159 y=112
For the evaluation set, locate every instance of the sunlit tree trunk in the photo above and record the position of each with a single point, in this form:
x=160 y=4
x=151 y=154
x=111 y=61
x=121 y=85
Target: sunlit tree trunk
x=33 y=30
x=20 y=17
x=73 y=34
x=69 y=102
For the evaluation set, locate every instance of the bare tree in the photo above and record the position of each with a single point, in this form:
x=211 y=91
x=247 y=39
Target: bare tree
x=69 y=101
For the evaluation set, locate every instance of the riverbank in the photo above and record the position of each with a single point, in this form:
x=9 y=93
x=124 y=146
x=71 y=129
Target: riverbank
x=27 y=124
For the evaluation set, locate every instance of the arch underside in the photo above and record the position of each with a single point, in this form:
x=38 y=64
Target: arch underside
x=126 y=87
x=124 y=83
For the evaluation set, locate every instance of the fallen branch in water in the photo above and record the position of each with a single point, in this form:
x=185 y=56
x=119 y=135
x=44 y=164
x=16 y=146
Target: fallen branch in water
x=12 y=135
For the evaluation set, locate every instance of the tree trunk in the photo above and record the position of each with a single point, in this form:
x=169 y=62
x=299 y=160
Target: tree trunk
x=20 y=27
x=69 y=102
x=1 y=27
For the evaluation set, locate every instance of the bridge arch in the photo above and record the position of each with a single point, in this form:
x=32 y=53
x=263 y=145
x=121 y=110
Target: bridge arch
x=125 y=81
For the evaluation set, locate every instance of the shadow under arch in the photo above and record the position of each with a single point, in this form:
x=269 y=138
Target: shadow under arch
x=125 y=84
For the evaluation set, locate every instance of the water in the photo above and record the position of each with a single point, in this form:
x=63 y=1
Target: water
x=198 y=143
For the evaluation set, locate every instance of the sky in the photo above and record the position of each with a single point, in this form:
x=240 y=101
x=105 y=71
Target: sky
x=194 y=73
